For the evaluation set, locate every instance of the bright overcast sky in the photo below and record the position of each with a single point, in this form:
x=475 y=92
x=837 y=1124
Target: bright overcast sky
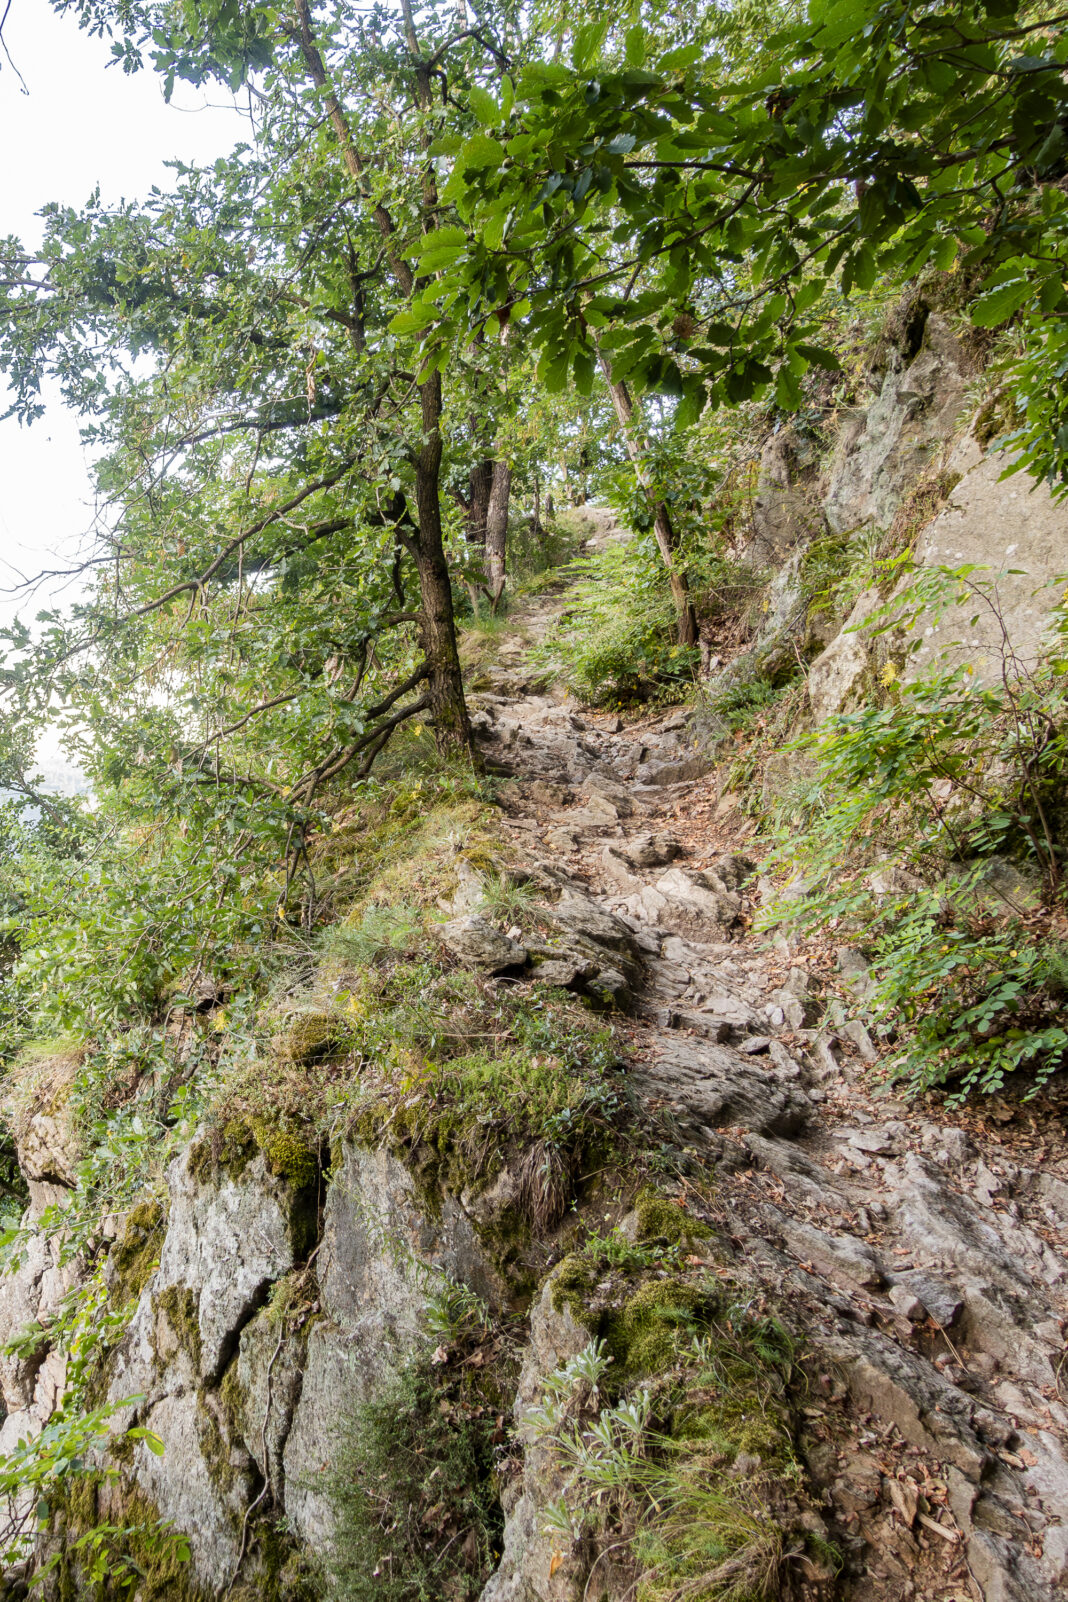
x=82 y=123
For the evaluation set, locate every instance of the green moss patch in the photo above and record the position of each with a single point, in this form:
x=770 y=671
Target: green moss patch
x=643 y=1336
x=135 y=1255
x=459 y=1081
x=313 y=1037
x=178 y=1304
x=638 y=1288
x=656 y=1218
x=94 y=1514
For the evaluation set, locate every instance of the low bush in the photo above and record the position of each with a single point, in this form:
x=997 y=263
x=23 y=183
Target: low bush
x=413 y=1486
x=945 y=783
x=617 y=639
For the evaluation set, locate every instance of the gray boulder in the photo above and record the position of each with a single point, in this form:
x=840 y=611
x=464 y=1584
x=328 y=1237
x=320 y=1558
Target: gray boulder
x=477 y=944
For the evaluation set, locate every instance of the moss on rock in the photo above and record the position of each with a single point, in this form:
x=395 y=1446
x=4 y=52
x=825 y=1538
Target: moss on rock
x=643 y=1335
x=233 y=1401
x=178 y=1304
x=141 y=1548
x=572 y=1287
x=311 y=1037
x=656 y=1218
x=135 y=1255
x=288 y=1155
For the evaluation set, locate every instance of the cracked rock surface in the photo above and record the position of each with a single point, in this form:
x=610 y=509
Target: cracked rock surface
x=927 y=1272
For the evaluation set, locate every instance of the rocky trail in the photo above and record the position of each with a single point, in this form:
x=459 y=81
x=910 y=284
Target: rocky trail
x=917 y=1255
x=921 y=1254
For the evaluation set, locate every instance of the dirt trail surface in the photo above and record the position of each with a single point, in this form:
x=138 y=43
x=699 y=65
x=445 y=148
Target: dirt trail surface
x=922 y=1254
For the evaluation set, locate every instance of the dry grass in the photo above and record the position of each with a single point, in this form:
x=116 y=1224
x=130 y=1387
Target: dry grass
x=39 y=1081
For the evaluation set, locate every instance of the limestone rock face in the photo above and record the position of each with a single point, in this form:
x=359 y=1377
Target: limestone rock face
x=228 y=1240
x=33 y=1289
x=1017 y=532
x=238 y=1395
x=381 y=1258
x=1016 y=535
x=531 y=1569
x=882 y=451
x=783 y=514
x=227 y=1244
x=837 y=674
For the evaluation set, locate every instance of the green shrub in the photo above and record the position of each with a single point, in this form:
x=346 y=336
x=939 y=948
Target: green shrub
x=617 y=639
x=413 y=1491
x=944 y=776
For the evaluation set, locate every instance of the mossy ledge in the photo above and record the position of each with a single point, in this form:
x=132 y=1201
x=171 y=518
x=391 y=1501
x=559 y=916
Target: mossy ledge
x=178 y=1304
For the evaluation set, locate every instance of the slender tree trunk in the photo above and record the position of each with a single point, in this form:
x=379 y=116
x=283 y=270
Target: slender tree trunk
x=536 y=527
x=448 y=707
x=497 y=532
x=446 y=687
x=667 y=543
x=550 y=505
x=481 y=482
x=480 y=489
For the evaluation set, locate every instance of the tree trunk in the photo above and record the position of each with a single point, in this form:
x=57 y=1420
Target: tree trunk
x=667 y=543
x=497 y=531
x=478 y=506
x=448 y=708
x=480 y=488
x=445 y=690
x=536 y=526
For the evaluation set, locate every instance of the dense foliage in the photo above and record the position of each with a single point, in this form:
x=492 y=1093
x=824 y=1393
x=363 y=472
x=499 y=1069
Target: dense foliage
x=317 y=371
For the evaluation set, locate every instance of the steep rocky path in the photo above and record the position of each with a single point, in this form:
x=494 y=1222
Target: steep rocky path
x=922 y=1259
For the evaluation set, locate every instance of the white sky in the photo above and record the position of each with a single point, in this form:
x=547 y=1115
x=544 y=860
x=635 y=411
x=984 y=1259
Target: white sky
x=81 y=123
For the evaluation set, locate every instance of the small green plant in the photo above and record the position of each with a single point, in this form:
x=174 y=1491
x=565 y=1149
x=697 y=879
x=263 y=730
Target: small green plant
x=381 y=931
x=455 y=1313
x=739 y=705
x=505 y=896
x=835 y=569
x=685 y=1475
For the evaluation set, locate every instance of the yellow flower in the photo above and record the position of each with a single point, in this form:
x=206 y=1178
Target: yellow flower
x=888 y=674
